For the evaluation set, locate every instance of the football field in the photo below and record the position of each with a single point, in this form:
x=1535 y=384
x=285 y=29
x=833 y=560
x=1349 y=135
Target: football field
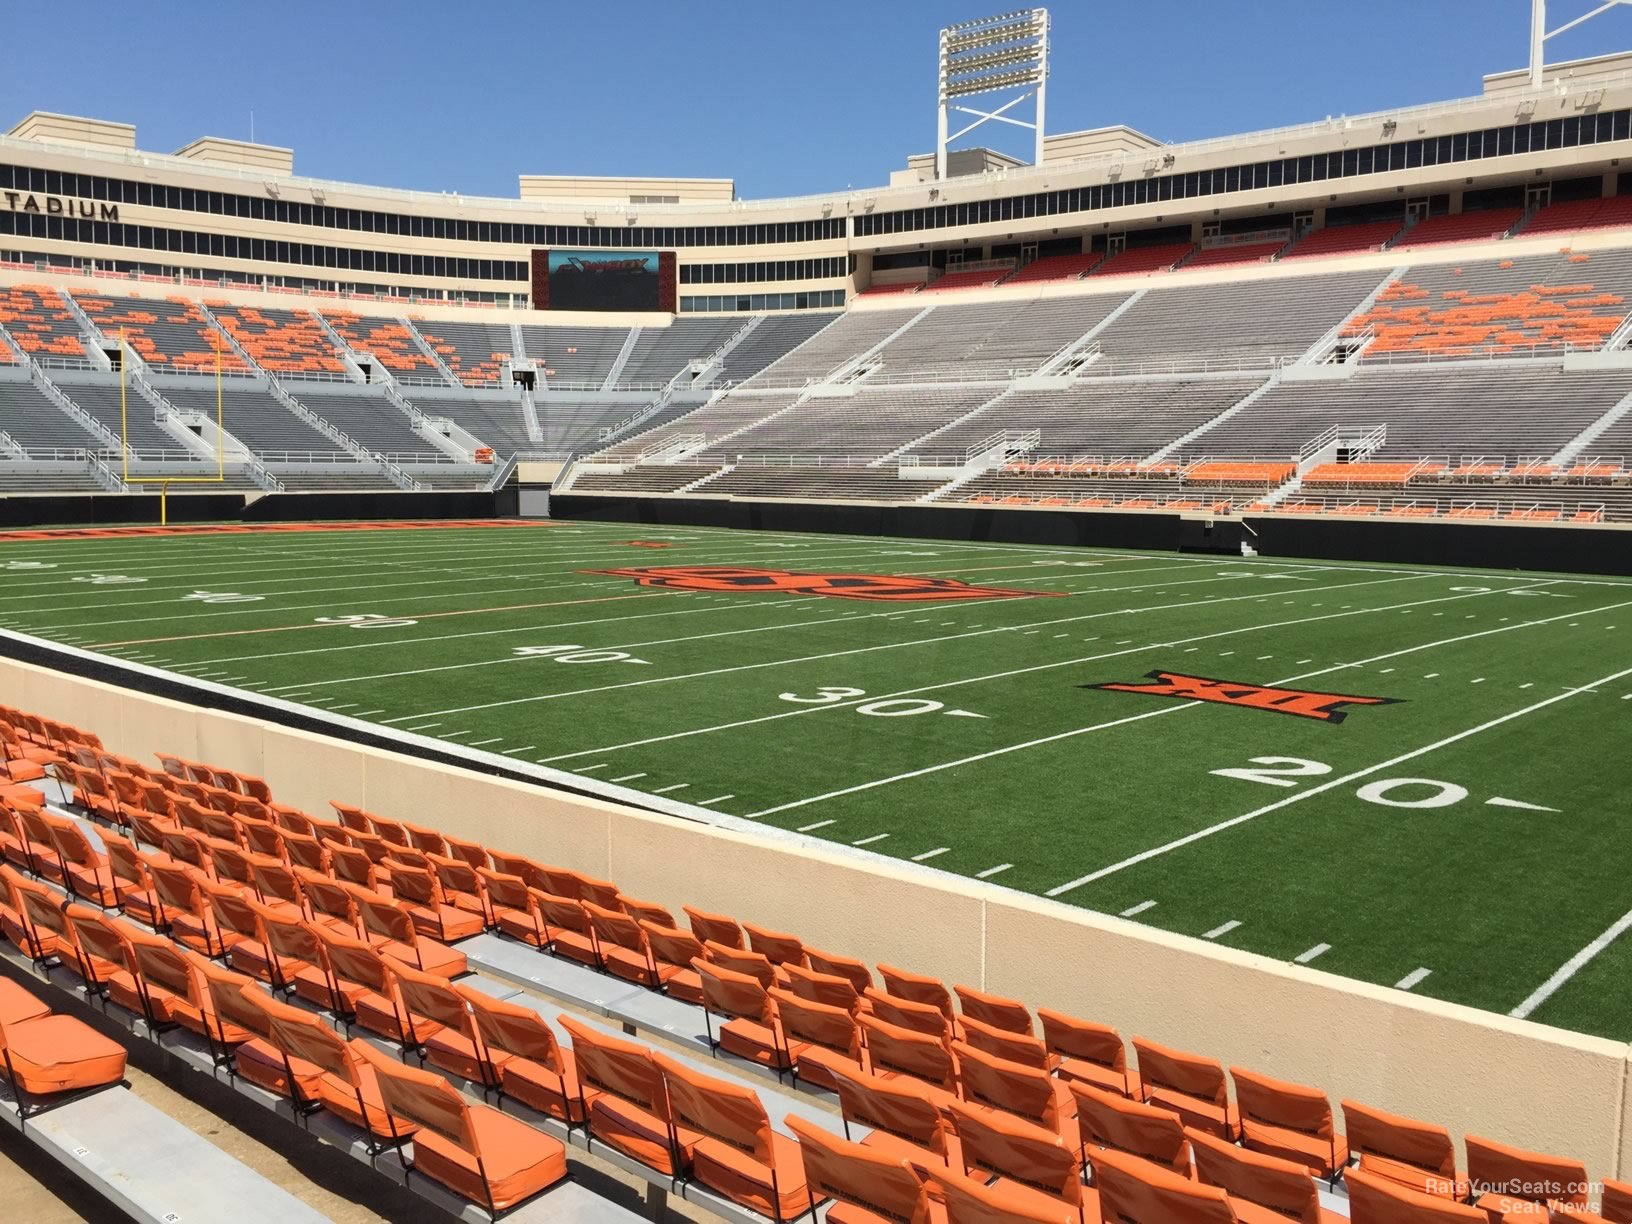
x=1415 y=777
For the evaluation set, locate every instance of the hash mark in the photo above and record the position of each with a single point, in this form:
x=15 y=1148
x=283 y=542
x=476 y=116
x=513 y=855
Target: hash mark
x=519 y=751
x=629 y=777
x=867 y=841
x=663 y=790
x=588 y=768
x=716 y=799
x=929 y=854
x=1222 y=930
x=424 y=727
x=820 y=824
x=1412 y=979
x=1138 y=909
x=1303 y=958
x=992 y=871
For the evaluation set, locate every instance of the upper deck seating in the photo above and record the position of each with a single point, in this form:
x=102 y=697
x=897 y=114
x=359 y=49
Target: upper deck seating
x=1144 y=260
x=1474 y=226
x=1577 y=215
x=389 y=341
x=1234 y=253
x=1058 y=267
x=1344 y=239
x=982 y=278
x=166 y=333
x=473 y=351
x=1508 y=305
x=282 y=341
x=40 y=322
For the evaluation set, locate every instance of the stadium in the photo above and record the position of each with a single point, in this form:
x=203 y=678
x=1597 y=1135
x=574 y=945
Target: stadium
x=1087 y=682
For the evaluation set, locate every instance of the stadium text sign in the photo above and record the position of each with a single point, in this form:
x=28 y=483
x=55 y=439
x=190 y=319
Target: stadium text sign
x=61 y=206
x=1325 y=707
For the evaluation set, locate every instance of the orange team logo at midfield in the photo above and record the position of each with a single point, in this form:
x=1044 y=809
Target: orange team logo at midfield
x=1326 y=707
x=749 y=579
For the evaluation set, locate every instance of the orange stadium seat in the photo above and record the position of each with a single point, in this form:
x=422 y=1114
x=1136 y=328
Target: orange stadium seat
x=477 y=1152
x=1290 y=1121
x=1191 y=1086
x=735 y=1153
x=536 y=1070
x=1034 y=1168
x=865 y=1186
x=1418 y=1156
x=1381 y=1200
x=1508 y=1183
x=1262 y=1189
x=626 y=1101
x=904 y=1119
x=1106 y=1120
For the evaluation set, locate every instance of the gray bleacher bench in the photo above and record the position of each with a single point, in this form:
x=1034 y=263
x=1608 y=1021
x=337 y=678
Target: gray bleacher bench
x=149 y=1165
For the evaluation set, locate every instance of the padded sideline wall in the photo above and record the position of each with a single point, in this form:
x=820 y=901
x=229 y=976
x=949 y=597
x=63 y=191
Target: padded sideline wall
x=1513 y=1081
x=108 y=509
x=1522 y=546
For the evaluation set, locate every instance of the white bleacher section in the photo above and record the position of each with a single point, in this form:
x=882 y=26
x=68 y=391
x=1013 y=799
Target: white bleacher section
x=1247 y=324
x=775 y=336
x=1502 y=408
x=573 y=356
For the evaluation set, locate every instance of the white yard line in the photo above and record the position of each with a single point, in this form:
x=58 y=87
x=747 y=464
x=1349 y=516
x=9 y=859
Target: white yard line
x=1333 y=784
x=1413 y=979
x=1104 y=726
x=840 y=705
x=1571 y=967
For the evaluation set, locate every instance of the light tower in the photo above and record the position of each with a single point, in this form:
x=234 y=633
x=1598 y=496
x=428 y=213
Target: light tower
x=993 y=55
x=1540 y=34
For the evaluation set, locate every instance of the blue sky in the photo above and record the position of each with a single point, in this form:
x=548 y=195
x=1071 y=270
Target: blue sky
x=786 y=98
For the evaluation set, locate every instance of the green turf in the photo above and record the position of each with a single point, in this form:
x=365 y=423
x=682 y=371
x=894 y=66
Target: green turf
x=1497 y=693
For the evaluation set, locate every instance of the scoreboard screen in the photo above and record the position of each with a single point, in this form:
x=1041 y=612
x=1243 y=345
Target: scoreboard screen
x=604 y=280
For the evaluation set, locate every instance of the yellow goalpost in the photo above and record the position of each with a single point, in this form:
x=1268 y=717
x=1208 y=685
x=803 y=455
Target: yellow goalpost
x=165 y=482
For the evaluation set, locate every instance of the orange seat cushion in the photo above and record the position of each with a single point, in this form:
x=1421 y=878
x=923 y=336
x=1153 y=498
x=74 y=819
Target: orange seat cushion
x=518 y=1160
x=60 y=1054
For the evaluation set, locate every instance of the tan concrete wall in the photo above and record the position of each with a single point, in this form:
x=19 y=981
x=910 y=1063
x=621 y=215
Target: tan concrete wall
x=1514 y=1081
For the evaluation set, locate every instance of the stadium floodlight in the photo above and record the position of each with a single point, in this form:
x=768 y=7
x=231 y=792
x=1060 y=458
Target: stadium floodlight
x=1540 y=35
x=989 y=55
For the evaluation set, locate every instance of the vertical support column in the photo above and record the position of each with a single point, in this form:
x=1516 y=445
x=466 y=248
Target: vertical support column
x=1538 y=41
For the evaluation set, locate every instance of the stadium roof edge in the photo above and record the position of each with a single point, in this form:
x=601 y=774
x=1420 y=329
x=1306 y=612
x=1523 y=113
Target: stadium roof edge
x=1556 y=88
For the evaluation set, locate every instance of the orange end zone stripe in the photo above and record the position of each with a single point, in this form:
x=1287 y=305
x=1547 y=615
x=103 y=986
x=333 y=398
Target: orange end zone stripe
x=417 y=616
x=106 y=533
